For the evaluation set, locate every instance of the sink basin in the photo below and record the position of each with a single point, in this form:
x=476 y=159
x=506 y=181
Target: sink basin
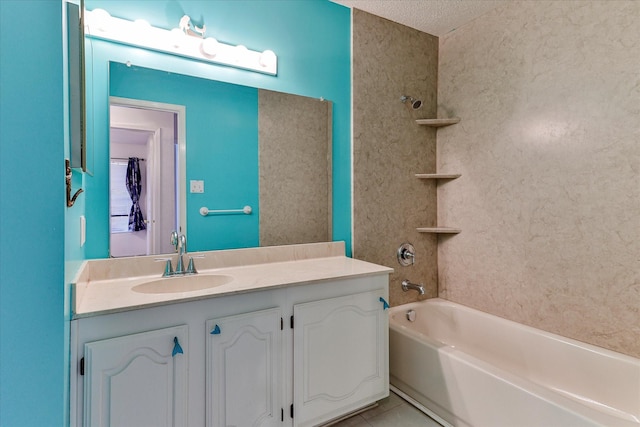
x=169 y=285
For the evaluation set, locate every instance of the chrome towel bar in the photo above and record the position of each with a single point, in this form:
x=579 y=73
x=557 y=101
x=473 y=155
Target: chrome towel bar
x=204 y=211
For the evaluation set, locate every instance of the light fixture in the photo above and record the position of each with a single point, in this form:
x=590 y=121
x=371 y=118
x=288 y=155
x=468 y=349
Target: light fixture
x=209 y=47
x=101 y=19
x=268 y=58
x=186 y=40
x=177 y=38
x=141 y=24
x=240 y=52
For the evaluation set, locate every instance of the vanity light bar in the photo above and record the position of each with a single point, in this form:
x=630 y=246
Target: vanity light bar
x=99 y=24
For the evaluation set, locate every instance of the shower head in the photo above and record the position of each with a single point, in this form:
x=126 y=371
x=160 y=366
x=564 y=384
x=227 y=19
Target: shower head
x=415 y=103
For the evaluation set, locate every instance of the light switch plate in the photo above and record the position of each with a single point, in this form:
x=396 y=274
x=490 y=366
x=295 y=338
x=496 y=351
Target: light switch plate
x=197 y=186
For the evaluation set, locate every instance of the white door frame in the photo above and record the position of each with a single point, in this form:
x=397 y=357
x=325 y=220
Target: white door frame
x=153 y=202
x=180 y=111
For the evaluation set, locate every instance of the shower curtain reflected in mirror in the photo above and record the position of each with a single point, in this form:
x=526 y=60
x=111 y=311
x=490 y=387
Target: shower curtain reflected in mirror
x=134 y=187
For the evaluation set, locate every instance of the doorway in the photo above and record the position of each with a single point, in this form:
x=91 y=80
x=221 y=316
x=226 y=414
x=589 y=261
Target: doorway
x=148 y=136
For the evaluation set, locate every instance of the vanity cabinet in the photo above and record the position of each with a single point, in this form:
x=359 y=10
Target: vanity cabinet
x=339 y=355
x=137 y=380
x=293 y=356
x=244 y=370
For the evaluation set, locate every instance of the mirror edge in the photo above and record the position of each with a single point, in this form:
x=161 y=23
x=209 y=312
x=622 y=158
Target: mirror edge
x=77 y=104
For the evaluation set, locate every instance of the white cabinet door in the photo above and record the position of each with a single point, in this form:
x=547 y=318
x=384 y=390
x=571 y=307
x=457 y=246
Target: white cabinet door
x=340 y=356
x=137 y=380
x=244 y=370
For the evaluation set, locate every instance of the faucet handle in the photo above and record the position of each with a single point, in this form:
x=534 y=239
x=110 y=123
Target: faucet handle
x=406 y=254
x=168 y=268
x=191 y=268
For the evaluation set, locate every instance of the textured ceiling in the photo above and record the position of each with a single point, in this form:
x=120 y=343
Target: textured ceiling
x=436 y=17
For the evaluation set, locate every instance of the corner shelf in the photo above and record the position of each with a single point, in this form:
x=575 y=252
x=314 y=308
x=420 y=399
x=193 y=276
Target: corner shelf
x=438 y=123
x=438 y=230
x=438 y=175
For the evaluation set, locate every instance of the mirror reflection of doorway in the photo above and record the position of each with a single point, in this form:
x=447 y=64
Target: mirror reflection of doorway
x=138 y=131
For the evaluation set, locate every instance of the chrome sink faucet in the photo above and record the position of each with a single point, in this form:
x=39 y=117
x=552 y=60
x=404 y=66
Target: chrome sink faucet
x=182 y=249
x=179 y=241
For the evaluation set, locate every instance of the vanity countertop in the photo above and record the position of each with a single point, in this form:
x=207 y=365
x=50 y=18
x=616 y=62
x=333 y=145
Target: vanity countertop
x=105 y=286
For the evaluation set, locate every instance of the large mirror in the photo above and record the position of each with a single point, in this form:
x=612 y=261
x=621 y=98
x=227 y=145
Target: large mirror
x=75 y=65
x=191 y=143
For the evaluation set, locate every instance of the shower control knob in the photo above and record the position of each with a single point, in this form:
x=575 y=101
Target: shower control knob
x=406 y=254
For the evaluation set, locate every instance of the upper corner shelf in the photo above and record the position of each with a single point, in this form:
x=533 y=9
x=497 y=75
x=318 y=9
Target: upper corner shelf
x=439 y=230
x=437 y=123
x=438 y=175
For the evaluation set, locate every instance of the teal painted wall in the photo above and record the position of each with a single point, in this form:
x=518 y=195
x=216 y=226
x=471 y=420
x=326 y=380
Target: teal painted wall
x=39 y=236
x=33 y=346
x=222 y=150
x=311 y=39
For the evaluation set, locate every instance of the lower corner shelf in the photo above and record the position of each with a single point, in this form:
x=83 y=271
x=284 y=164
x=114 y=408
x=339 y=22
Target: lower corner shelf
x=437 y=123
x=439 y=230
x=438 y=175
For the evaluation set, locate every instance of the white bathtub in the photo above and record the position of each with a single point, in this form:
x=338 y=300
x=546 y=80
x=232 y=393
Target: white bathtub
x=469 y=368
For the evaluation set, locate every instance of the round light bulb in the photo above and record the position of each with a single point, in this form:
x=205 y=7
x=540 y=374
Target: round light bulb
x=267 y=58
x=141 y=29
x=177 y=37
x=101 y=19
x=209 y=47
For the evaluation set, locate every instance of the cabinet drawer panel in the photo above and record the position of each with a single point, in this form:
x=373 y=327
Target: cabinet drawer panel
x=137 y=380
x=244 y=370
x=340 y=355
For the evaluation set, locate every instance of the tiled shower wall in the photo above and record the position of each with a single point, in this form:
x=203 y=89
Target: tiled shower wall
x=549 y=151
x=294 y=161
x=390 y=60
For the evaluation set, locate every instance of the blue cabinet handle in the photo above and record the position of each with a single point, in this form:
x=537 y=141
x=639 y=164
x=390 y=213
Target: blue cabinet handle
x=385 y=304
x=177 y=349
x=216 y=330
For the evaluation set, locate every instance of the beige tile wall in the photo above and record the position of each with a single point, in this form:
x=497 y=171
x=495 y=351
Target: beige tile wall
x=294 y=155
x=390 y=60
x=549 y=149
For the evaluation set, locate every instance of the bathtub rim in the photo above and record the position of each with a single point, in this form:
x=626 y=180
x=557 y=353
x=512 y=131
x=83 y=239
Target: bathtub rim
x=548 y=394
x=571 y=341
x=589 y=414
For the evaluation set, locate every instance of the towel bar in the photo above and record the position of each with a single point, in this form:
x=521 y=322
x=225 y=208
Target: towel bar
x=204 y=211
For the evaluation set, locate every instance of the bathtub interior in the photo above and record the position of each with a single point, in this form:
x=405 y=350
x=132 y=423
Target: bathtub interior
x=467 y=393
x=597 y=378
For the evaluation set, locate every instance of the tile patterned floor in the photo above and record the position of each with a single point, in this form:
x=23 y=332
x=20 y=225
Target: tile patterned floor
x=391 y=412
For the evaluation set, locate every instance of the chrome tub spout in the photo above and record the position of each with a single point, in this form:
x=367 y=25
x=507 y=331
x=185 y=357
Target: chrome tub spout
x=406 y=285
